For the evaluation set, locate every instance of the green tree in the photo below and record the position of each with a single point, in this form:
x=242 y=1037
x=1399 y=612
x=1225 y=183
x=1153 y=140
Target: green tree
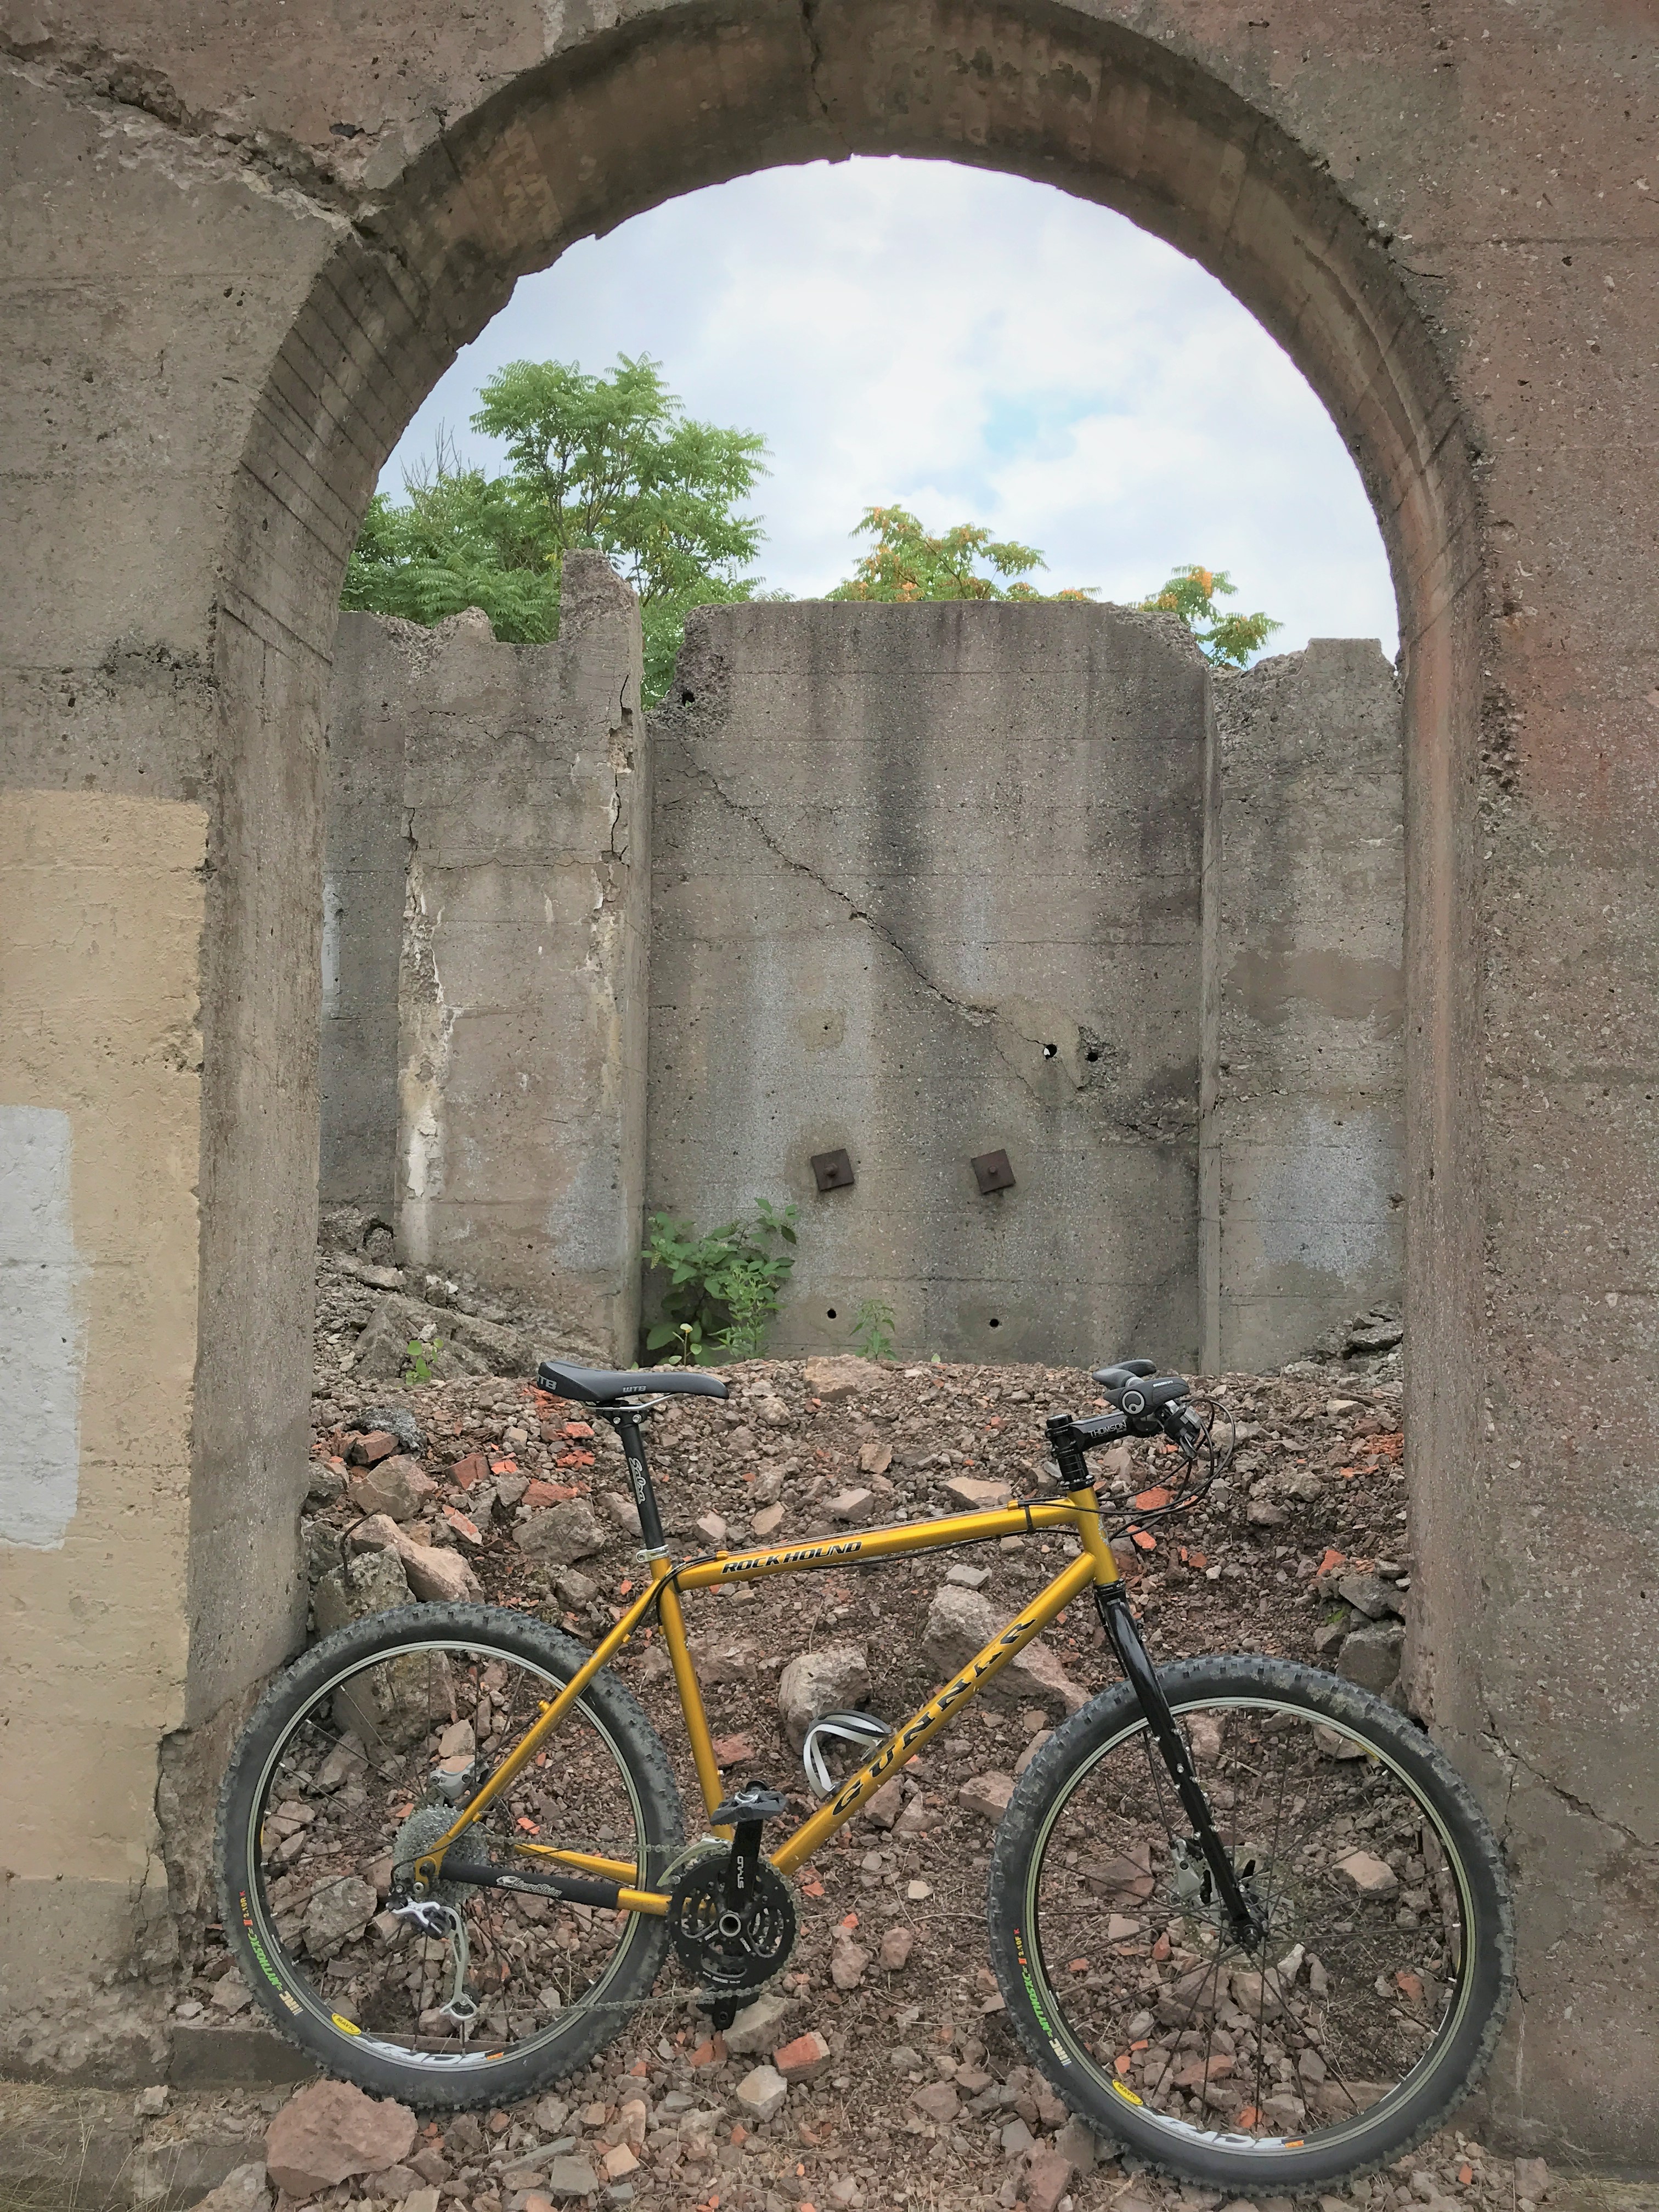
x=610 y=463
x=905 y=563
x=1227 y=640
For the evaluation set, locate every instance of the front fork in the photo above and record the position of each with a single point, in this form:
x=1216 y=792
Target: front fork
x=1142 y=1676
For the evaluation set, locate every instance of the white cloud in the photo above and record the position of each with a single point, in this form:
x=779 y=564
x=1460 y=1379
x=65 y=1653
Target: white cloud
x=978 y=348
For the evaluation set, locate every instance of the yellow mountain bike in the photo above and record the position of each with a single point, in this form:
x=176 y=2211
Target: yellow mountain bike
x=1244 y=1914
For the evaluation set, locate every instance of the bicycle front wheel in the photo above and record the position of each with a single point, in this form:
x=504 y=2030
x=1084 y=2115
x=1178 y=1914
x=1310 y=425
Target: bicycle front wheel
x=337 y=1784
x=1372 y=2003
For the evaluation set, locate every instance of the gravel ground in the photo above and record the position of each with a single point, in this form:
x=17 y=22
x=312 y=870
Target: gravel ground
x=1303 y=1550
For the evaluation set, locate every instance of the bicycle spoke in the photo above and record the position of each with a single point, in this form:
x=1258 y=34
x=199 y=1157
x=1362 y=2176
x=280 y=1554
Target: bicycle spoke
x=1326 y=1847
x=356 y=1782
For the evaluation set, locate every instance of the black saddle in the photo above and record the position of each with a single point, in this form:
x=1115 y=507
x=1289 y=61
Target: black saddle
x=603 y=1386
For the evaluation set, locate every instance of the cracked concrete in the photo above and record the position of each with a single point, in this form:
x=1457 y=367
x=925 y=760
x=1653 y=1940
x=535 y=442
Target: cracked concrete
x=1508 y=1752
x=966 y=1008
x=909 y=860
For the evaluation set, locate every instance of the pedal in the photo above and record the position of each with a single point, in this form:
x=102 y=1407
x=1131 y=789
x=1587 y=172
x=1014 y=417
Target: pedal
x=754 y=1801
x=863 y=1730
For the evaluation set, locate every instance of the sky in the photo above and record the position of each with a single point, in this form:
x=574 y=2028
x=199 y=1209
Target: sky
x=976 y=348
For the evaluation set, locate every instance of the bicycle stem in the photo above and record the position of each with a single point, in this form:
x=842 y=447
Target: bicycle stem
x=1142 y=1676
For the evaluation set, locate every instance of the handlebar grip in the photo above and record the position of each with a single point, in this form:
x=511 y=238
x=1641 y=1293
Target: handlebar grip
x=1137 y=1396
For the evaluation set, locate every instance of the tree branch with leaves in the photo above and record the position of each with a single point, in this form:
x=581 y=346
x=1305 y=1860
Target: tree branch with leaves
x=610 y=464
x=1226 y=640
x=905 y=563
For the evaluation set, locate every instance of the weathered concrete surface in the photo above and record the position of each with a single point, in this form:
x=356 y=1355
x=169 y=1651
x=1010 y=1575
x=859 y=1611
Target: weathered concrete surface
x=100 y=1107
x=224 y=308
x=365 y=852
x=927 y=887
x=1303 y=1133
x=490 y=1063
x=930 y=888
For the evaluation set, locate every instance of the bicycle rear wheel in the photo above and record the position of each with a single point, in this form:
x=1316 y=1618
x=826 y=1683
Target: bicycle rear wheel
x=1375 y=2000
x=331 y=1787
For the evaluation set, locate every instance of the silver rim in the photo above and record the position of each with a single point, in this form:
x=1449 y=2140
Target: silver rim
x=294 y=1990
x=1068 y=2048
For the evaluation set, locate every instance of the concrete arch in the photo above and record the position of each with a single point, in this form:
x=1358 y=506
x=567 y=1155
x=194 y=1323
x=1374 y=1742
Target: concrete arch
x=263 y=250
x=669 y=101
x=683 y=97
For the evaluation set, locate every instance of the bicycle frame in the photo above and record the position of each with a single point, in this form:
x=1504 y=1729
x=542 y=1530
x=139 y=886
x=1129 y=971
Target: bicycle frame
x=1094 y=1567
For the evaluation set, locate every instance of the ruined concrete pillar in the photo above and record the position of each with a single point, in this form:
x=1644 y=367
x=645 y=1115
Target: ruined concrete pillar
x=485 y=952
x=1303 y=1142
x=365 y=886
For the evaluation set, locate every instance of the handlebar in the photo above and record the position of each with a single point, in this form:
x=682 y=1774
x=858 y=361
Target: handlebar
x=1145 y=1403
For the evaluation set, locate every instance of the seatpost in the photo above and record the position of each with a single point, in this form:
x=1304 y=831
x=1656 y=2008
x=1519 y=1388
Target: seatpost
x=644 y=1499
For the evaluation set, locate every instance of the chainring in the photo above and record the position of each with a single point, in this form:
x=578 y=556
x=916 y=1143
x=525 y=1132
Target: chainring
x=724 y=1959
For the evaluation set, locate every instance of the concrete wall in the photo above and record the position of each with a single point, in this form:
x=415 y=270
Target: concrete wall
x=236 y=266
x=1303 y=1130
x=365 y=852
x=99 y=1092
x=488 y=860
x=927 y=887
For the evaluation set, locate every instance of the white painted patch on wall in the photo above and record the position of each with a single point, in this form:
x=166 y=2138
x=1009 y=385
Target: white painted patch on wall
x=42 y=1328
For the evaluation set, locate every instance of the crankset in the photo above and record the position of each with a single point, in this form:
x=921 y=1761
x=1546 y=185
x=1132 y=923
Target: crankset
x=732 y=1916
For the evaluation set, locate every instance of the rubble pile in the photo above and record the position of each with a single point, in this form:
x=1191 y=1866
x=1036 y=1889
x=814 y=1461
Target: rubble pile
x=699 y=2135
x=877 y=2070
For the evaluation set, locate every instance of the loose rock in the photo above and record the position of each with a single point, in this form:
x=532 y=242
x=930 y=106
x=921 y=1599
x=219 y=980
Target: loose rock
x=820 y=1682
x=339 y=1908
x=848 y=1960
x=961 y=1622
x=245 y=2189
x=842 y=1376
x=897 y=1945
x=804 y=2059
x=762 y=2093
x=987 y=1795
x=563 y=1534
x=329 y=2131
x=369 y=1585
x=570 y=2178
x=1371 y=1876
x=398 y=1486
x=938 y=2101
x=756 y=2028
x=1371 y=1656
x=623 y=1510
x=1369 y=1593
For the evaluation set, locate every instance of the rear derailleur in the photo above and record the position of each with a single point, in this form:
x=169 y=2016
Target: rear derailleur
x=733 y=1917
